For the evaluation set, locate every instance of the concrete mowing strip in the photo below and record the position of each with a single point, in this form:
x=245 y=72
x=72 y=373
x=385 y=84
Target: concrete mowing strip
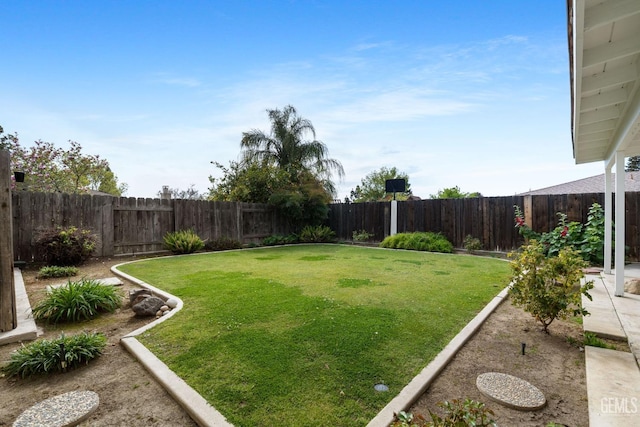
x=423 y=380
x=196 y=406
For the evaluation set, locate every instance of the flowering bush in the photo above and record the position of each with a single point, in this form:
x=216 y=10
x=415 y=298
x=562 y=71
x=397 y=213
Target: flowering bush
x=587 y=239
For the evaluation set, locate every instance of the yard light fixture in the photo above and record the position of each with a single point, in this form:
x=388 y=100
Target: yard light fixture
x=19 y=176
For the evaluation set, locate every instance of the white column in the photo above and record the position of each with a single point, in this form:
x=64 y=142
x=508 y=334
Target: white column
x=608 y=227
x=394 y=218
x=620 y=222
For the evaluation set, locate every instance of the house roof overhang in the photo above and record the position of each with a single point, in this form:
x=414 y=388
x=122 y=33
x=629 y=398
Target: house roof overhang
x=604 y=54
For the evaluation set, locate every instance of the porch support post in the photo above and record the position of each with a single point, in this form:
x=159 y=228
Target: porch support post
x=620 y=223
x=608 y=224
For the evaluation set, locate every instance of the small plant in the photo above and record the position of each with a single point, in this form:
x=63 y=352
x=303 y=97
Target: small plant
x=222 y=244
x=361 y=236
x=56 y=271
x=594 y=341
x=317 y=234
x=418 y=241
x=406 y=419
x=548 y=288
x=66 y=246
x=183 y=242
x=592 y=244
x=472 y=243
x=58 y=355
x=457 y=413
x=77 y=301
x=463 y=413
x=278 y=239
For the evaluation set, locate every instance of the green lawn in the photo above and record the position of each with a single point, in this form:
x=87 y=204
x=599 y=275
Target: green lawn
x=299 y=335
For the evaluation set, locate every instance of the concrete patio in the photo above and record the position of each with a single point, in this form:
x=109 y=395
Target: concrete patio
x=613 y=377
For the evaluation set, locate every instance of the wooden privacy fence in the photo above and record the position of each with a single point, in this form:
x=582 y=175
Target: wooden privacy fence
x=136 y=225
x=490 y=219
x=128 y=225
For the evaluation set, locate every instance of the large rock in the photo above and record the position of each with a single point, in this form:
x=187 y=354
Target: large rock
x=148 y=306
x=632 y=286
x=135 y=294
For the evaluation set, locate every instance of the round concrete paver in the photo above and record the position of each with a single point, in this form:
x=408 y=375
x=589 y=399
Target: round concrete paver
x=64 y=410
x=510 y=391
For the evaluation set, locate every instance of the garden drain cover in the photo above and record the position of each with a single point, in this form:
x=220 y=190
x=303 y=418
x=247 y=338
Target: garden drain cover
x=381 y=387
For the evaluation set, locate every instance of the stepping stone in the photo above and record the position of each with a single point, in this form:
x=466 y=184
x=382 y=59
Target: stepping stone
x=64 y=410
x=109 y=281
x=510 y=391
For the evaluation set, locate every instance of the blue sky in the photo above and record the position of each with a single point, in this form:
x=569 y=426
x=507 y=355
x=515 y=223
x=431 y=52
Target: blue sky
x=470 y=93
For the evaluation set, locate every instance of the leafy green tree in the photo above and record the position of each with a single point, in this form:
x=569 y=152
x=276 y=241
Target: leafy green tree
x=51 y=169
x=454 y=193
x=286 y=147
x=633 y=164
x=104 y=180
x=253 y=182
x=285 y=168
x=372 y=186
x=302 y=203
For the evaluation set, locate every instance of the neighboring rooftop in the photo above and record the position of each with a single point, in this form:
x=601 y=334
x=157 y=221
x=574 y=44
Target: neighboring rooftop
x=593 y=184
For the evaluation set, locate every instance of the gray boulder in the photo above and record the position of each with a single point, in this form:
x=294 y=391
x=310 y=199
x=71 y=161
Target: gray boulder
x=148 y=306
x=134 y=295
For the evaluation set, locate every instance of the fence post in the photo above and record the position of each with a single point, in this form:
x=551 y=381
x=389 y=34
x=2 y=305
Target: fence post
x=394 y=218
x=528 y=211
x=8 y=318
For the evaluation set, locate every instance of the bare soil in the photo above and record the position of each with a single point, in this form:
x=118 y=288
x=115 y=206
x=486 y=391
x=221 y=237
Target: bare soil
x=130 y=396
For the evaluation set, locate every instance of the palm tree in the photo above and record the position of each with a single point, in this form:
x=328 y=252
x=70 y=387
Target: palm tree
x=287 y=148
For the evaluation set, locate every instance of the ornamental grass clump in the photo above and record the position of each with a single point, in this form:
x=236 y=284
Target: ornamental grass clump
x=51 y=271
x=548 y=287
x=183 y=242
x=317 y=234
x=58 y=355
x=418 y=241
x=77 y=301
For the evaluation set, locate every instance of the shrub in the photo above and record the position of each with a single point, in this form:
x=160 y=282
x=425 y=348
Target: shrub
x=278 y=239
x=361 y=235
x=592 y=244
x=58 y=355
x=587 y=238
x=183 y=242
x=56 y=271
x=418 y=241
x=77 y=301
x=222 y=244
x=472 y=243
x=566 y=234
x=548 y=288
x=317 y=234
x=66 y=246
x=457 y=413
